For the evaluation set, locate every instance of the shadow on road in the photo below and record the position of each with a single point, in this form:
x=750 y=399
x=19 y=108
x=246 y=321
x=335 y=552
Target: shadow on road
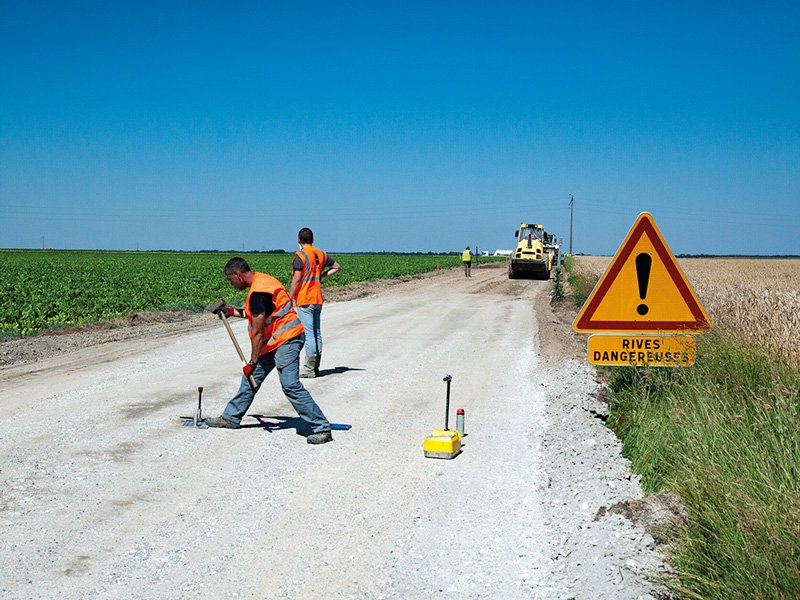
x=273 y=423
x=337 y=371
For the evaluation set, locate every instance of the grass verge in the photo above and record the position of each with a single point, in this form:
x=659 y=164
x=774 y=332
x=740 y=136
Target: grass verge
x=724 y=436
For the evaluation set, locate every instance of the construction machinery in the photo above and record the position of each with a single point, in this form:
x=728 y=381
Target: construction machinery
x=530 y=257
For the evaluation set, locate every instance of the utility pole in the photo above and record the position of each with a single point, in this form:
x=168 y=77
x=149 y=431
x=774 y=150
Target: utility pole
x=571 y=202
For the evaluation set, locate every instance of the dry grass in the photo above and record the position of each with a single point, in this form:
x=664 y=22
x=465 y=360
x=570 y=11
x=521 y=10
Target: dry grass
x=755 y=300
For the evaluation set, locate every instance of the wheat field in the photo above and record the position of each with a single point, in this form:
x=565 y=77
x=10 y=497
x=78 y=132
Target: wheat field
x=751 y=299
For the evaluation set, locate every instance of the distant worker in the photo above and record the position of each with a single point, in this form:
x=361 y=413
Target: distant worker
x=466 y=258
x=276 y=339
x=309 y=266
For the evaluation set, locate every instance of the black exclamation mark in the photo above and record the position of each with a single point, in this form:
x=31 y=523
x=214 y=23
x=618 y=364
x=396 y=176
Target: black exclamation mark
x=643 y=262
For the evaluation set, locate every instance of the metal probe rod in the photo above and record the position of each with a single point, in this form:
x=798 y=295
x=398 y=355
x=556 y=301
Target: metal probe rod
x=448 y=379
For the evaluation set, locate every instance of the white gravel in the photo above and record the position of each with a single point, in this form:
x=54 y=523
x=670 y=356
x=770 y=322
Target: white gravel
x=104 y=495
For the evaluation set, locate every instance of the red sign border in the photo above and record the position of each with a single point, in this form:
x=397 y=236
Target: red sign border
x=644 y=224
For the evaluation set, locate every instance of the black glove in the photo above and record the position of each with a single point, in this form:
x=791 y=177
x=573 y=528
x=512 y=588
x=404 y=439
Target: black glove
x=228 y=311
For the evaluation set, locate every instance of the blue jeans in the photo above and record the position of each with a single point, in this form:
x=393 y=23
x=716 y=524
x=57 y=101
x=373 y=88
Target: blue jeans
x=309 y=316
x=286 y=358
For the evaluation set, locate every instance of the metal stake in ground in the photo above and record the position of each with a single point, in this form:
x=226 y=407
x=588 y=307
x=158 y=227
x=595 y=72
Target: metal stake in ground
x=197 y=422
x=198 y=414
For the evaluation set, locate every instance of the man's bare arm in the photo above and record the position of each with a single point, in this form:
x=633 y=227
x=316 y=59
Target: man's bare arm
x=257 y=341
x=332 y=271
x=295 y=286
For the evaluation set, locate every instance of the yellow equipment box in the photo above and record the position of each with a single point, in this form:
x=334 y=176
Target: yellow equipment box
x=443 y=443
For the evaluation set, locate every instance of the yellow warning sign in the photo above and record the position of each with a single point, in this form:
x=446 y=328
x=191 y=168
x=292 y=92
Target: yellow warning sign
x=643 y=290
x=642 y=350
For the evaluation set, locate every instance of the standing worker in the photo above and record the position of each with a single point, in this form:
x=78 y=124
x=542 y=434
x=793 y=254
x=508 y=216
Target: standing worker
x=309 y=266
x=276 y=339
x=466 y=258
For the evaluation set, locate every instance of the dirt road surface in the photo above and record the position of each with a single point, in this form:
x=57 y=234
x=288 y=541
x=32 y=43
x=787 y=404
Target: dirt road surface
x=103 y=494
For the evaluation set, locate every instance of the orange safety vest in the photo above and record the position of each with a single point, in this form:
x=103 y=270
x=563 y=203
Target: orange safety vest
x=280 y=326
x=310 y=290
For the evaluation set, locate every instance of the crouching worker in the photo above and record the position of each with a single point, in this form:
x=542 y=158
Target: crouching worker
x=276 y=339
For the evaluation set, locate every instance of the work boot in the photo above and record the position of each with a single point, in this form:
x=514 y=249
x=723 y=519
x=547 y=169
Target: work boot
x=222 y=422
x=323 y=437
x=317 y=360
x=307 y=370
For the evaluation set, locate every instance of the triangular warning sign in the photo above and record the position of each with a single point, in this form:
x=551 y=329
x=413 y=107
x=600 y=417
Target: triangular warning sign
x=643 y=290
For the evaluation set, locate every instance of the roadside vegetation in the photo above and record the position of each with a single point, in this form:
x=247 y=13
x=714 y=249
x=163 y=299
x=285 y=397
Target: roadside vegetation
x=42 y=289
x=724 y=436
x=580 y=282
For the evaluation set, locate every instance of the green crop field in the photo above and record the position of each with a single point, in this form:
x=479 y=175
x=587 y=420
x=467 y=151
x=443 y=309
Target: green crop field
x=42 y=289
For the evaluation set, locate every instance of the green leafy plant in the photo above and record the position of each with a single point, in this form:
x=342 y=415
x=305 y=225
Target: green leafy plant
x=557 y=293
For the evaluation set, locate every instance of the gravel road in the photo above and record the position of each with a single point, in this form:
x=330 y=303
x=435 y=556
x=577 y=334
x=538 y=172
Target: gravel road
x=103 y=494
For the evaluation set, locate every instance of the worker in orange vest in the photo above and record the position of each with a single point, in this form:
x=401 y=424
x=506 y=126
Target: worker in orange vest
x=309 y=266
x=276 y=339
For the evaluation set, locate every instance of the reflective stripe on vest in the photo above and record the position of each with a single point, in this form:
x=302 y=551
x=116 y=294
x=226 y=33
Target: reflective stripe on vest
x=275 y=336
x=281 y=312
x=310 y=291
x=308 y=274
x=282 y=323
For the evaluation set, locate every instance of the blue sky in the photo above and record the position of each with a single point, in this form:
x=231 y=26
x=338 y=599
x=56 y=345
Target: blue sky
x=404 y=126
